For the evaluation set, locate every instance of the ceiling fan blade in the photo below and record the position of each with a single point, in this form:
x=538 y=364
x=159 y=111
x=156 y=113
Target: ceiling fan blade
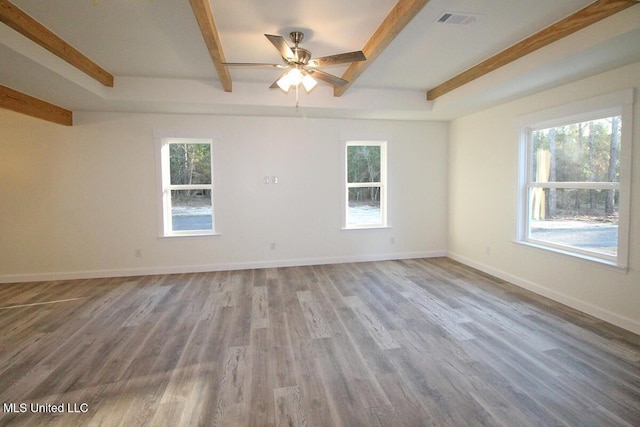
x=340 y=58
x=327 y=78
x=254 y=65
x=282 y=46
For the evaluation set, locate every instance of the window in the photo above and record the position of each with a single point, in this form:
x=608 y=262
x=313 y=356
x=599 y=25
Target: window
x=366 y=188
x=575 y=174
x=187 y=186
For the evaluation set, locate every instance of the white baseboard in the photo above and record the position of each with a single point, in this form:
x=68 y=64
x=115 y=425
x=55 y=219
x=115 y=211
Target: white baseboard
x=147 y=271
x=595 y=311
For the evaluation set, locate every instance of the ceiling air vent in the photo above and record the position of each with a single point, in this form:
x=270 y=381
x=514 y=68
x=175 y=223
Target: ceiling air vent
x=458 y=18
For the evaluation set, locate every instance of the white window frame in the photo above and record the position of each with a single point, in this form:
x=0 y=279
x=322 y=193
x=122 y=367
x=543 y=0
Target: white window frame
x=382 y=184
x=614 y=104
x=167 y=187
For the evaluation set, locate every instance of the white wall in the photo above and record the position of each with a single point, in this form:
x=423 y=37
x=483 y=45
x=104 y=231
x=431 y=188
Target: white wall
x=79 y=201
x=483 y=176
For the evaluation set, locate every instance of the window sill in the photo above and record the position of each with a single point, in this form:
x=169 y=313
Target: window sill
x=365 y=227
x=610 y=264
x=171 y=236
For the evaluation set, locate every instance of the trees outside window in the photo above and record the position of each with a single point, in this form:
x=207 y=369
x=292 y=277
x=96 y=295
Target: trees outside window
x=575 y=184
x=187 y=176
x=576 y=205
x=365 y=176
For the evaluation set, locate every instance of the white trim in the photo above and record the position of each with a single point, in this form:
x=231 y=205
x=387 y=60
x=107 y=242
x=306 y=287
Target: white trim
x=180 y=134
x=158 y=148
x=366 y=227
x=146 y=271
x=585 y=307
x=189 y=233
x=583 y=185
x=586 y=109
x=624 y=193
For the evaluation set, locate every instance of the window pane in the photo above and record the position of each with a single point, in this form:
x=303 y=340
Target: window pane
x=191 y=210
x=364 y=206
x=363 y=163
x=580 y=152
x=585 y=219
x=190 y=163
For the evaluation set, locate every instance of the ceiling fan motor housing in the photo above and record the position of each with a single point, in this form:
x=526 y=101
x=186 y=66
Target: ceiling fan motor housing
x=300 y=56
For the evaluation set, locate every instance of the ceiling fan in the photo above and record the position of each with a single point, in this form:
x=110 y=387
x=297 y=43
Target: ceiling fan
x=301 y=67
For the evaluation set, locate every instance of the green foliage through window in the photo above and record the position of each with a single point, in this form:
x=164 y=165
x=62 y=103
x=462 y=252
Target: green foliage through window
x=363 y=163
x=190 y=163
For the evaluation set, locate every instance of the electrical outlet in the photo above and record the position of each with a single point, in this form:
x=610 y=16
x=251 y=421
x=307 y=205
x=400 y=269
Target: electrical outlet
x=266 y=179
x=273 y=246
x=138 y=253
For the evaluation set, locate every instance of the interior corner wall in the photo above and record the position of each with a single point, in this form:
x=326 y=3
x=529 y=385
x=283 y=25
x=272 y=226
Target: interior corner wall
x=483 y=199
x=82 y=201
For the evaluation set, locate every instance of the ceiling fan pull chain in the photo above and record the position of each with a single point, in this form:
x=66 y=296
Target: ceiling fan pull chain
x=297 y=102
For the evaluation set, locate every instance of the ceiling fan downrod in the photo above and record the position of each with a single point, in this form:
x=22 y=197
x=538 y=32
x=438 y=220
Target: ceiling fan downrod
x=296 y=37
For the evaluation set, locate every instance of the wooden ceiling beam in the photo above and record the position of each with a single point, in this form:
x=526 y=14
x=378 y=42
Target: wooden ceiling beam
x=204 y=16
x=590 y=14
x=401 y=14
x=15 y=18
x=25 y=104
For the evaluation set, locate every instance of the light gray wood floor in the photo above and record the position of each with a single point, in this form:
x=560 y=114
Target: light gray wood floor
x=395 y=343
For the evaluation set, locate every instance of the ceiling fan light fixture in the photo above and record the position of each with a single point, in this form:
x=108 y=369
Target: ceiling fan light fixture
x=309 y=82
x=284 y=83
x=295 y=76
x=292 y=78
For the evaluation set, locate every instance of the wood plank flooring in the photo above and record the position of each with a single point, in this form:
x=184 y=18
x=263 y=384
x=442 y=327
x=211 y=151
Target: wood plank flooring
x=425 y=342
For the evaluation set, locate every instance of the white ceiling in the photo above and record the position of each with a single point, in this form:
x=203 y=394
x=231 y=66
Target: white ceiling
x=156 y=52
